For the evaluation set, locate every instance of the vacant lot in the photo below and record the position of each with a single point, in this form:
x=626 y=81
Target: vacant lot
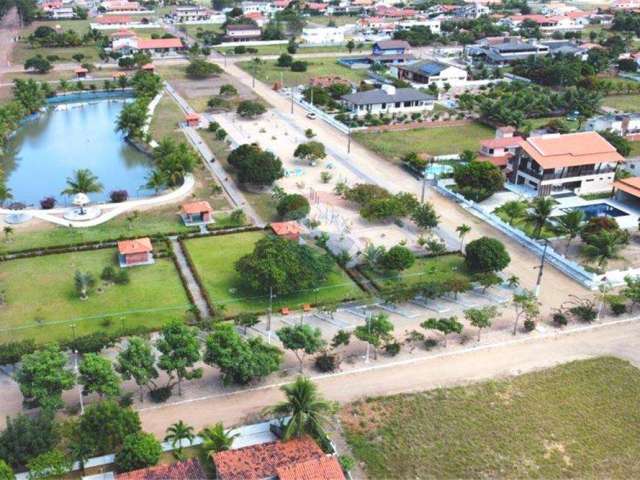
x=41 y=300
x=269 y=73
x=624 y=103
x=215 y=257
x=432 y=141
x=434 y=269
x=579 y=420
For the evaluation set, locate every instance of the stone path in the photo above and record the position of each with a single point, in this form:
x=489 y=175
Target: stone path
x=192 y=285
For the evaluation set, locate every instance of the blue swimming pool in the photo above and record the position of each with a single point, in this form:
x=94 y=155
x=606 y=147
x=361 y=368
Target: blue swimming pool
x=600 y=210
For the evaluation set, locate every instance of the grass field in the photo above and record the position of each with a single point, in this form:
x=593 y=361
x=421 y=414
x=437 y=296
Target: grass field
x=41 y=301
x=214 y=258
x=165 y=120
x=24 y=51
x=578 y=420
x=527 y=226
x=269 y=73
x=438 y=269
x=282 y=48
x=433 y=141
x=624 y=103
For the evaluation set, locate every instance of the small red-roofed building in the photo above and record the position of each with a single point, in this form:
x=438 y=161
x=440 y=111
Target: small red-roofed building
x=192 y=120
x=135 y=252
x=187 y=470
x=196 y=213
x=289 y=230
x=500 y=149
x=81 y=72
x=148 y=67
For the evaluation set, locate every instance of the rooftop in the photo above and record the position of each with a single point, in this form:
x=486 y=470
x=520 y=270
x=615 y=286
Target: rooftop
x=153 y=43
x=189 y=469
x=385 y=44
x=425 y=67
x=629 y=185
x=324 y=468
x=504 y=142
x=371 y=97
x=573 y=149
x=138 y=245
x=240 y=28
x=196 y=207
x=285 y=228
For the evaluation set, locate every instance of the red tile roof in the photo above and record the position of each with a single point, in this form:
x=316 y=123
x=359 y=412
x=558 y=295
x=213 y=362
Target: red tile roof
x=263 y=460
x=325 y=468
x=196 y=207
x=505 y=142
x=81 y=70
x=187 y=470
x=285 y=228
x=153 y=43
x=573 y=149
x=138 y=245
x=629 y=185
x=499 y=161
x=113 y=19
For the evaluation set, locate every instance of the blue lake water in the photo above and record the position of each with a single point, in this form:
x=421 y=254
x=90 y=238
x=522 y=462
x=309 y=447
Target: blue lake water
x=48 y=148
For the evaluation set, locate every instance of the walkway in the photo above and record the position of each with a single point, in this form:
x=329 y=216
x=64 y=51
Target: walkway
x=190 y=280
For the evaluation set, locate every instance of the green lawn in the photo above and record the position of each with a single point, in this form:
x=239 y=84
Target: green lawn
x=635 y=149
x=578 y=420
x=535 y=123
x=41 y=301
x=269 y=73
x=165 y=120
x=425 y=269
x=625 y=103
x=527 y=226
x=214 y=258
x=282 y=48
x=24 y=51
x=433 y=141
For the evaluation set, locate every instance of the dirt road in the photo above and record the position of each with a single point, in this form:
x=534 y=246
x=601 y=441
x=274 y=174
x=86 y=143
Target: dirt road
x=522 y=355
x=9 y=28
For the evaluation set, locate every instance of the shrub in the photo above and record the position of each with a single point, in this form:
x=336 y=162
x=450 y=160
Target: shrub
x=477 y=181
x=139 y=450
x=293 y=207
x=327 y=362
x=346 y=462
x=617 y=306
x=584 y=313
x=108 y=273
x=160 y=395
x=121 y=277
x=430 y=343
x=199 y=69
x=90 y=343
x=392 y=348
x=213 y=126
x=221 y=134
x=284 y=60
x=397 y=258
x=119 y=196
x=11 y=352
x=560 y=319
x=250 y=109
x=486 y=255
x=299 y=66
x=529 y=325
x=47 y=203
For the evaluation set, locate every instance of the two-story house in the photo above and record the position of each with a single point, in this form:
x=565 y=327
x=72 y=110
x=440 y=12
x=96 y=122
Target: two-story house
x=581 y=163
x=500 y=149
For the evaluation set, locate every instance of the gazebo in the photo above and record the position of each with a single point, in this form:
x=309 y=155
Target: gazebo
x=192 y=120
x=81 y=72
x=289 y=230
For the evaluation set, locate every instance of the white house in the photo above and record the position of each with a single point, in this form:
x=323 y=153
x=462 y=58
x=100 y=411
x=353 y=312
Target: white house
x=620 y=124
x=156 y=47
x=243 y=33
x=432 y=71
x=322 y=35
x=387 y=99
x=194 y=14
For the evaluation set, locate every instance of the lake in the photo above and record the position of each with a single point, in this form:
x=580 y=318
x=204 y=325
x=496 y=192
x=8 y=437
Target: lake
x=49 y=147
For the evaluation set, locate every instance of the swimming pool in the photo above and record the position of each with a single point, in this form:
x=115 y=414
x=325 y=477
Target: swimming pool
x=599 y=210
x=434 y=170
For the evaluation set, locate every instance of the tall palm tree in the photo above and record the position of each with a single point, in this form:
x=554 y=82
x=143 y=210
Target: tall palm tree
x=605 y=246
x=216 y=439
x=462 y=232
x=156 y=181
x=571 y=224
x=308 y=411
x=540 y=213
x=5 y=193
x=82 y=181
x=178 y=432
x=514 y=210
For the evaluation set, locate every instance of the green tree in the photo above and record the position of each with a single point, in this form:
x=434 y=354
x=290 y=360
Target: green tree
x=132 y=118
x=621 y=144
x=84 y=282
x=462 y=231
x=605 y=246
x=284 y=60
x=39 y=64
x=29 y=94
x=397 y=258
x=301 y=339
x=486 y=255
x=478 y=180
x=177 y=433
x=481 y=317
x=216 y=439
x=82 y=181
x=6 y=472
x=25 y=437
x=255 y=166
x=156 y=181
x=307 y=411
x=228 y=90
x=514 y=210
x=526 y=305
x=571 y=224
x=541 y=209
x=174 y=160
x=246 y=320
x=293 y=207
x=104 y=426
x=377 y=329
x=425 y=216
x=283 y=266
x=97 y=375
x=137 y=361
x=179 y=352
x=445 y=326
x=240 y=360
x=199 y=69
x=250 y=109
x=43 y=377
x=48 y=465
x=632 y=290
x=139 y=450
x=351 y=45
x=310 y=151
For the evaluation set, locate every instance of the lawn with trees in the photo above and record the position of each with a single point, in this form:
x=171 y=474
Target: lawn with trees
x=520 y=427
x=42 y=301
x=215 y=257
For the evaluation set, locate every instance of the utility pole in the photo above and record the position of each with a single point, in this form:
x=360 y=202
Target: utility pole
x=76 y=370
x=541 y=268
x=349 y=140
x=291 y=93
x=253 y=78
x=424 y=181
x=269 y=315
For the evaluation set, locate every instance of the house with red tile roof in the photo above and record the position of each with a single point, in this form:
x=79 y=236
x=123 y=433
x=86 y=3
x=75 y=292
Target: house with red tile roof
x=325 y=468
x=269 y=460
x=289 y=230
x=187 y=470
x=135 y=252
x=500 y=149
x=196 y=213
x=128 y=45
x=581 y=163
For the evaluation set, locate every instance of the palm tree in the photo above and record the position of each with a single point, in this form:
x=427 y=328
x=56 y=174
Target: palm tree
x=83 y=281
x=82 y=181
x=216 y=439
x=308 y=412
x=156 y=181
x=178 y=432
x=462 y=232
x=8 y=231
x=514 y=210
x=5 y=193
x=605 y=246
x=571 y=224
x=538 y=216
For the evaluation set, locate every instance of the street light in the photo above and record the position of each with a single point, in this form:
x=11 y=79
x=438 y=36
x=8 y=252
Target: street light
x=271 y=296
x=76 y=370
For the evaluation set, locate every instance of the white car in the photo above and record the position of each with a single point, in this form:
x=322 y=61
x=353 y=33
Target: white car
x=311 y=116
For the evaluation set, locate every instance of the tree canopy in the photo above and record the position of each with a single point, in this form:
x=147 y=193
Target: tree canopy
x=478 y=180
x=486 y=255
x=255 y=166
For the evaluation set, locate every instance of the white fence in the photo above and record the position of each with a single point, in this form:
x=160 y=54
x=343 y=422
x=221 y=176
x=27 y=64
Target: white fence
x=320 y=113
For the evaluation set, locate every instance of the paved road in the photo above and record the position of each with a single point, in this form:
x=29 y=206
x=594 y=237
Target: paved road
x=522 y=355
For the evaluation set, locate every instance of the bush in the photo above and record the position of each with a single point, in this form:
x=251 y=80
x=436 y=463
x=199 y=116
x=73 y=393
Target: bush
x=284 y=60
x=108 y=273
x=12 y=352
x=477 y=181
x=90 y=343
x=346 y=462
x=397 y=258
x=299 y=66
x=327 y=362
x=139 y=450
x=119 y=196
x=560 y=319
x=250 y=109
x=486 y=255
x=199 y=69
x=584 y=313
x=529 y=325
x=160 y=395
x=47 y=203
x=293 y=207
x=392 y=348
x=617 y=306
x=430 y=343
x=221 y=134
x=213 y=126
x=121 y=277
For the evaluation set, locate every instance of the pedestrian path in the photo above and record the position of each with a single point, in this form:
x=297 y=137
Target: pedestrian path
x=190 y=280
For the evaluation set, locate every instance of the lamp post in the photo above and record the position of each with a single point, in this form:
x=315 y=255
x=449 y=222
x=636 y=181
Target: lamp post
x=349 y=140
x=76 y=370
x=541 y=268
x=271 y=295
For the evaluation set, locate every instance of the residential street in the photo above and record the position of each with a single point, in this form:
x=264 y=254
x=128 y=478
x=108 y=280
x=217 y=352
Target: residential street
x=522 y=355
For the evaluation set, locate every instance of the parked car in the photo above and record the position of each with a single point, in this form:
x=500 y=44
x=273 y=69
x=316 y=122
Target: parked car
x=311 y=116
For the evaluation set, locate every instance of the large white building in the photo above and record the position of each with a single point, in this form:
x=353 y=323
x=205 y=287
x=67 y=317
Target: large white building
x=323 y=35
x=387 y=99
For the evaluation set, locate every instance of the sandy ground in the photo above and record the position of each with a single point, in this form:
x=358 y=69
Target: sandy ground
x=9 y=29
